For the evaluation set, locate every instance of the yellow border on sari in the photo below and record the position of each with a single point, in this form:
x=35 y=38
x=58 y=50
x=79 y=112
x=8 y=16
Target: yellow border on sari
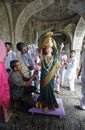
x=47 y=78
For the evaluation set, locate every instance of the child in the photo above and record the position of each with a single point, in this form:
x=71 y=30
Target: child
x=20 y=85
x=11 y=55
x=71 y=70
x=4 y=86
x=29 y=54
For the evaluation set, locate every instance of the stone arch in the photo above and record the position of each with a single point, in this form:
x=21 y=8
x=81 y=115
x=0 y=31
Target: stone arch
x=10 y=20
x=78 y=7
x=27 y=12
x=68 y=37
x=4 y=23
x=66 y=41
x=35 y=7
x=78 y=37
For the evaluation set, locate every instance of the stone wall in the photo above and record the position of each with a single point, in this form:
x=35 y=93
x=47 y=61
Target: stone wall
x=4 y=23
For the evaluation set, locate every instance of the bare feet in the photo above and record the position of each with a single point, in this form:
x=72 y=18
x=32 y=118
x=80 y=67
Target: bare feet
x=8 y=116
x=79 y=107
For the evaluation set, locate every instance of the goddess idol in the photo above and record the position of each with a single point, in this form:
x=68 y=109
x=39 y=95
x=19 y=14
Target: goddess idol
x=50 y=65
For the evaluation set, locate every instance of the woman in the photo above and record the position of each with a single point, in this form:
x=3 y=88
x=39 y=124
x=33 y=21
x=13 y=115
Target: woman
x=4 y=86
x=50 y=66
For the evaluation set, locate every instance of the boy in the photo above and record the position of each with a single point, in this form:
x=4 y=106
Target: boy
x=29 y=54
x=20 y=85
x=11 y=55
x=71 y=70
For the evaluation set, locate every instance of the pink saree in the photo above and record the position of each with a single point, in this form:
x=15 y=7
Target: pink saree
x=4 y=86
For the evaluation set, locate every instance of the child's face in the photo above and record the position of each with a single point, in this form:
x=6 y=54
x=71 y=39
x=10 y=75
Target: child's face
x=49 y=50
x=72 y=54
x=24 y=49
x=18 y=66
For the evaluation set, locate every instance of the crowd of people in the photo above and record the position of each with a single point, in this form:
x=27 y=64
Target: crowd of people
x=47 y=70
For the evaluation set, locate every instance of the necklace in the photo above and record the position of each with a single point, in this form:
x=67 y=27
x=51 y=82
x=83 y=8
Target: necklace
x=47 y=62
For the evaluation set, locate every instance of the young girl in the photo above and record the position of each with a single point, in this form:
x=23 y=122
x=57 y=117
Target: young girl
x=4 y=86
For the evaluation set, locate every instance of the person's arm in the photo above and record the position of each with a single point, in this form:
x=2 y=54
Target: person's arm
x=26 y=61
x=27 y=81
x=14 y=55
x=17 y=80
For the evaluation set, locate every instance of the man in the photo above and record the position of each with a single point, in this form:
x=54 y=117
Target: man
x=20 y=85
x=29 y=54
x=71 y=70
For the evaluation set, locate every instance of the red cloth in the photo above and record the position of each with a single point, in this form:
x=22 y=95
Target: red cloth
x=4 y=86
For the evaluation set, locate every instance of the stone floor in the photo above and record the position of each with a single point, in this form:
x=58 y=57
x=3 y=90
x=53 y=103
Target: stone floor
x=74 y=119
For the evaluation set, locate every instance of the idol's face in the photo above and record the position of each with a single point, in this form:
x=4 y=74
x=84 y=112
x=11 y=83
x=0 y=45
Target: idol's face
x=49 y=50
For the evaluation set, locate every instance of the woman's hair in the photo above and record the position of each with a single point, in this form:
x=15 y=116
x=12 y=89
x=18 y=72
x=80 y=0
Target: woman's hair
x=13 y=64
x=20 y=46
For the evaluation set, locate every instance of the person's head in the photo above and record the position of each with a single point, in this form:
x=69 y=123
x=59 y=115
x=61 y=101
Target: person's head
x=49 y=50
x=72 y=53
x=21 y=47
x=15 y=65
x=8 y=46
x=49 y=41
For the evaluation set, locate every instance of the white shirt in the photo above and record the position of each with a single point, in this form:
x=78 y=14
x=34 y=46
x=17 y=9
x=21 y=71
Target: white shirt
x=29 y=56
x=71 y=67
x=11 y=56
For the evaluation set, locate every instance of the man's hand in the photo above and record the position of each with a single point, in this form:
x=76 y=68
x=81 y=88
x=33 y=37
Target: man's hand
x=30 y=68
x=35 y=72
x=34 y=75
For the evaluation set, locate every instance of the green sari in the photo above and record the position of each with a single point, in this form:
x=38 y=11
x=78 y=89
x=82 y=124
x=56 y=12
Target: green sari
x=47 y=97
